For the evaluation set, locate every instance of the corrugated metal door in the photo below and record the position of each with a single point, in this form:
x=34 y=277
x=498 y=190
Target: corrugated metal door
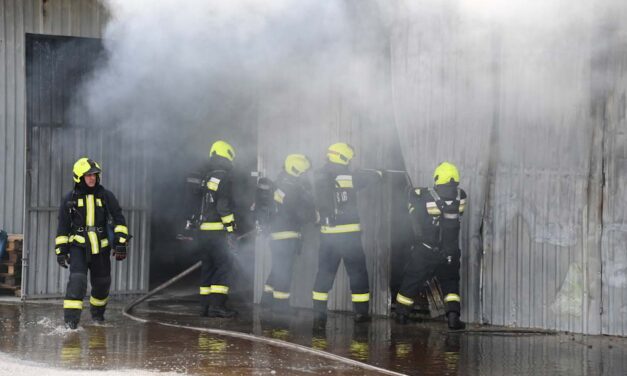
x=57 y=135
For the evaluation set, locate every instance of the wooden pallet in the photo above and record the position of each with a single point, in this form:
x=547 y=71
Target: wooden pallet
x=12 y=256
x=9 y=279
x=15 y=243
x=10 y=290
x=11 y=268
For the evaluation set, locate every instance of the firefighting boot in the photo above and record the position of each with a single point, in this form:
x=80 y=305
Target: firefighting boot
x=204 y=305
x=402 y=314
x=217 y=307
x=71 y=318
x=281 y=307
x=266 y=297
x=454 y=322
x=97 y=313
x=320 y=314
x=361 y=312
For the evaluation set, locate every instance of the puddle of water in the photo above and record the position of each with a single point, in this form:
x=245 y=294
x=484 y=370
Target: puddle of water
x=34 y=338
x=34 y=332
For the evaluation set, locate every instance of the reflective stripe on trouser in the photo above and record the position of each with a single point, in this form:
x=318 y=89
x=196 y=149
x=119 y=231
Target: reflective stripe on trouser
x=219 y=289
x=402 y=299
x=360 y=298
x=267 y=288
x=282 y=235
x=72 y=304
x=341 y=229
x=452 y=298
x=205 y=290
x=98 y=302
x=322 y=296
x=347 y=247
x=280 y=295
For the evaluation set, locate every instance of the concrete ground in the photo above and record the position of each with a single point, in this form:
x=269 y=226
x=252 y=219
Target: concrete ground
x=34 y=341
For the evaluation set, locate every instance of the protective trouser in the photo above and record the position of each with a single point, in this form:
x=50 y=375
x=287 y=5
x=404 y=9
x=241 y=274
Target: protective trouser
x=333 y=249
x=280 y=278
x=215 y=271
x=424 y=265
x=99 y=266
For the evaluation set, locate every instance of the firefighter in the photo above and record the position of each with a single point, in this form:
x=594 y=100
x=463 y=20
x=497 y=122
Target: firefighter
x=436 y=218
x=214 y=222
x=336 y=189
x=90 y=224
x=293 y=207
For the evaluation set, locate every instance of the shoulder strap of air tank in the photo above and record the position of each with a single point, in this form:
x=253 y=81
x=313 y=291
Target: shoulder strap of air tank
x=105 y=205
x=435 y=195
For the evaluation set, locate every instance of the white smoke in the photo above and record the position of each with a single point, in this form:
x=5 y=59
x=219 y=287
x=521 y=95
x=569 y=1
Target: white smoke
x=201 y=66
x=306 y=73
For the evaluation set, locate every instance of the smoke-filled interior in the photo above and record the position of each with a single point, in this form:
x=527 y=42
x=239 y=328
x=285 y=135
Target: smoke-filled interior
x=522 y=95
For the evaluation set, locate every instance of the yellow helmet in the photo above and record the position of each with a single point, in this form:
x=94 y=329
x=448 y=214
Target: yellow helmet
x=340 y=153
x=296 y=164
x=85 y=166
x=222 y=149
x=445 y=173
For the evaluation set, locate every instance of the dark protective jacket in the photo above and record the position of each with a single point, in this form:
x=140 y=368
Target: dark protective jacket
x=336 y=195
x=294 y=204
x=86 y=216
x=212 y=199
x=436 y=215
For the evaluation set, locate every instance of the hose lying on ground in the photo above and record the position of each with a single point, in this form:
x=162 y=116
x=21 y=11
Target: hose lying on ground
x=251 y=337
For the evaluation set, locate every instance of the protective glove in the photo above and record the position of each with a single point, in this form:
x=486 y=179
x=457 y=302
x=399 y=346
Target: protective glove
x=63 y=258
x=119 y=252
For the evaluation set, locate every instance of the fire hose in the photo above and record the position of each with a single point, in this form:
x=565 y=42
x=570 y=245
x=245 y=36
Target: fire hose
x=250 y=337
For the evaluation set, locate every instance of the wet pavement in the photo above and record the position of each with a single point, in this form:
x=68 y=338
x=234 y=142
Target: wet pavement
x=33 y=334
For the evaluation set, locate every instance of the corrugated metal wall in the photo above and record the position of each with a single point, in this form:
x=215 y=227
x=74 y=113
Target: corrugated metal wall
x=53 y=152
x=440 y=116
x=544 y=238
x=18 y=17
x=614 y=239
x=534 y=135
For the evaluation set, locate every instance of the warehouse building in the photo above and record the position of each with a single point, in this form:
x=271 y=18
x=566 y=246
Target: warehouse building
x=545 y=236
